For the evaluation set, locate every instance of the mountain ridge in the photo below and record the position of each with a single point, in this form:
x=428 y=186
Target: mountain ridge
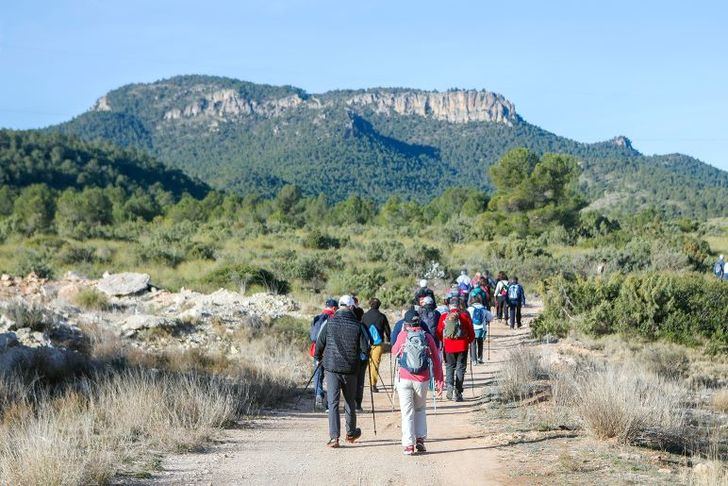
x=414 y=143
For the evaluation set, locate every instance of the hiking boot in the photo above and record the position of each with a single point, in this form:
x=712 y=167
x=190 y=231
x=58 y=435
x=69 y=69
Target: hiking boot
x=420 y=446
x=375 y=389
x=459 y=397
x=480 y=361
x=352 y=438
x=333 y=443
x=449 y=394
x=409 y=450
x=359 y=409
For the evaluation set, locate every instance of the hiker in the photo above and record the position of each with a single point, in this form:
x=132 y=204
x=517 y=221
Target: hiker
x=455 y=330
x=340 y=346
x=429 y=317
x=358 y=311
x=501 y=296
x=601 y=268
x=422 y=292
x=490 y=283
x=378 y=325
x=442 y=308
x=476 y=280
x=516 y=299
x=318 y=376
x=463 y=284
x=719 y=269
x=399 y=325
x=418 y=360
x=480 y=290
x=453 y=293
x=481 y=318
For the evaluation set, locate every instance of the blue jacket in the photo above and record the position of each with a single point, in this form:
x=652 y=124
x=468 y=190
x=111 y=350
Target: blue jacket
x=521 y=295
x=400 y=324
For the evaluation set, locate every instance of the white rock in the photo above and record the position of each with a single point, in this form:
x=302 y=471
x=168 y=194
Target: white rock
x=124 y=283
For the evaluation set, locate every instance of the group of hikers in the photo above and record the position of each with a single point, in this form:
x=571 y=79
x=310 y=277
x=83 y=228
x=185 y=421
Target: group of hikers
x=348 y=343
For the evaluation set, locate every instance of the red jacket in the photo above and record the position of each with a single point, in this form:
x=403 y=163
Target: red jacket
x=457 y=345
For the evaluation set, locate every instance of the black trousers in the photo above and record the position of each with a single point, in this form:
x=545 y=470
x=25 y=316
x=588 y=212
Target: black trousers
x=502 y=307
x=515 y=311
x=361 y=379
x=455 y=366
x=335 y=384
x=476 y=350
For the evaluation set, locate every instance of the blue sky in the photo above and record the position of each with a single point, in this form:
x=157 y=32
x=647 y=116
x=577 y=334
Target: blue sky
x=654 y=71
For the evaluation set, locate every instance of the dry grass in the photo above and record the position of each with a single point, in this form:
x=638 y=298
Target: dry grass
x=516 y=379
x=84 y=435
x=709 y=473
x=720 y=401
x=666 y=360
x=92 y=299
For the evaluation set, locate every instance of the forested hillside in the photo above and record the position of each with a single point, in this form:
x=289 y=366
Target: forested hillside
x=376 y=143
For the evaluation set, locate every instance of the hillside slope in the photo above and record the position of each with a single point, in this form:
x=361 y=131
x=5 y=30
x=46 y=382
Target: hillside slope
x=377 y=142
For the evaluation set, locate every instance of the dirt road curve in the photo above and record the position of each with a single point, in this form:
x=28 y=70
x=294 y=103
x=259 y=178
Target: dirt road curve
x=286 y=446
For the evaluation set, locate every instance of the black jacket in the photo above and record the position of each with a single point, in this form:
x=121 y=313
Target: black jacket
x=379 y=320
x=424 y=292
x=341 y=343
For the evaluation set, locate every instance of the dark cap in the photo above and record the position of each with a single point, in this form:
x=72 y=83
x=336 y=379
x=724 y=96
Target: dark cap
x=332 y=303
x=412 y=317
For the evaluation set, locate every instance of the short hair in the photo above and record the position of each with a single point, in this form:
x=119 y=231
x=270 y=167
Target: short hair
x=477 y=299
x=375 y=303
x=515 y=279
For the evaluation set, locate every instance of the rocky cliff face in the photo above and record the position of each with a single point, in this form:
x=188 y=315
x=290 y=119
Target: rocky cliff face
x=453 y=106
x=457 y=106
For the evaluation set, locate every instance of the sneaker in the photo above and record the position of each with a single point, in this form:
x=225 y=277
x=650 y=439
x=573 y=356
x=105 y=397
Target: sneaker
x=409 y=450
x=420 y=446
x=359 y=409
x=449 y=394
x=480 y=361
x=459 y=397
x=375 y=389
x=333 y=443
x=352 y=438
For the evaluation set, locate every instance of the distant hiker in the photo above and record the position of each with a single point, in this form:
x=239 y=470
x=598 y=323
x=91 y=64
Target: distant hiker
x=378 y=325
x=453 y=293
x=419 y=364
x=501 y=296
x=422 y=292
x=429 y=317
x=340 y=345
x=476 y=280
x=719 y=269
x=602 y=267
x=516 y=299
x=318 y=323
x=399 y=325
x=358 y=311
x=480 y=290
x=491 y=283
x=481 y=318
x=463 y=282
x=455 y=330
x=442 y=308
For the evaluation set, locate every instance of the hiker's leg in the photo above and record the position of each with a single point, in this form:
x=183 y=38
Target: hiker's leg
x=518 y=315
x=461 y=368
x=512 y=312
x=349 y=385
x=407 y=407
x=333 y=393
x=360 y=380
x=450 y=362
x=318 y=380
x=420 y=404
x=374 y=363
x=473 y=354
x=479 y=342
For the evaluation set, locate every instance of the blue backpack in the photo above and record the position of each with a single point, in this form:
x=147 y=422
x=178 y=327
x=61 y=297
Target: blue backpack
x=316 y=326
x=374 y=334
x=514 y=294
x=415 y=356
x=718 y=268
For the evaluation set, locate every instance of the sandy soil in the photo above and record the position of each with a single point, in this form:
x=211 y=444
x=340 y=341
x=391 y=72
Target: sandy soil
x=287 y=445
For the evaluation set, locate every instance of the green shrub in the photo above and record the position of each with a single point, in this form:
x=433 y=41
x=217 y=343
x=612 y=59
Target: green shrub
x=241 y=276
x=92 y=299
x=33 y=261
x=317 y=240
x=365 y=284
x=75 y=254
x=396 y=293
x=30 y=316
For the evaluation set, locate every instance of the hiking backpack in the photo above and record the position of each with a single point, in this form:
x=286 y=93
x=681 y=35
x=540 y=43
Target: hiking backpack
x=514 y=295
x=415 y=356
x=453 y=326
x=427 y=315
x=316 y=326
x=504 y=289
x=478 y=316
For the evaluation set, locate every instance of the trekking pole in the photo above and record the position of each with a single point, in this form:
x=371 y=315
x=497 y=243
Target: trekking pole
x=488 y=342
x=472 y=381
x=371 y=396
x=309 y=382
x=376 y=368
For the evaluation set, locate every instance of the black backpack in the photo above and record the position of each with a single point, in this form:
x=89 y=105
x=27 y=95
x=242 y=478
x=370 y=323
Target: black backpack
x=316 y=325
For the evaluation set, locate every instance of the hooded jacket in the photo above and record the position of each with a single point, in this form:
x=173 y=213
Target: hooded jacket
x=457 y=345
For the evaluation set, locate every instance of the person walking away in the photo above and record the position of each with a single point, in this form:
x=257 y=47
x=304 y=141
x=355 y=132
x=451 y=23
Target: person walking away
x=318 y=376
x=358 y=311
x=340 y=345
x=429 y=317
x=463 y=283
x=481 y=318
x=378 y=325
x=419 y=362
x=490 y=284
x=455 y=330
x=719 y=269
x=422 y=292
x=476 y=280
x=399 y=325
x=501 y=296
x=516 y=299
x=478 y=291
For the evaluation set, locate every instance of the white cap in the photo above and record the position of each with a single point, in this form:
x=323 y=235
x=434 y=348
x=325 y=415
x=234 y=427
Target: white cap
x=721 y=257
x=346 y=301
x=428 y=300
x=463 y=272
x=423 y=283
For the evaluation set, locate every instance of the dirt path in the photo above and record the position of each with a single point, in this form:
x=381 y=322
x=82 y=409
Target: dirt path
x=286 y=446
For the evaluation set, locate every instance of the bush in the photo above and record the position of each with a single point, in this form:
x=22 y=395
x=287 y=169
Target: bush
x=665 y=360
x=241 y=276
x=33 y=261
x=92 y=299
x=364 y=283
x=319 y=241
x=516 y=379
x=30 y=316
x=76 y=254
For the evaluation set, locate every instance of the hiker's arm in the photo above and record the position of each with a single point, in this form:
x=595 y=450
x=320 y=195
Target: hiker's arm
x=386 y=330
x=364 y=340
x=436 y=361
x=397 y=346
x=321 y=342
